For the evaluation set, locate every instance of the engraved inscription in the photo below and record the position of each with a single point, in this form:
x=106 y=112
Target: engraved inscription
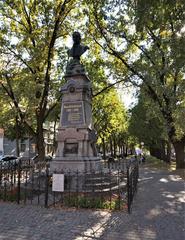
x=72 y=114
x=71 y=148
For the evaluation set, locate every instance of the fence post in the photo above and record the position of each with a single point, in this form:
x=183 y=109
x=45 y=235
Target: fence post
x=119 y=192
x=19 y=182
x=128 y=189
x=46 y=186
x=69 y=186
x=77 y=187
x=137 y=171
x=1 y=174
x=110 y=188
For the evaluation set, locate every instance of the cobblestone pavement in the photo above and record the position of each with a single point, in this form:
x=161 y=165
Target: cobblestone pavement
x=158 y=214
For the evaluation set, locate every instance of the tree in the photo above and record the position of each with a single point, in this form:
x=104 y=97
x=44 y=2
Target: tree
x=109 y=114
x=34 y=59
x=110 y=121
x=30 y=63
x=146 y=123
x=150 y=47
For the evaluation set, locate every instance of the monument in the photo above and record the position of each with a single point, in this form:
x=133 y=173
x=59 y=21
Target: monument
x=76 y=137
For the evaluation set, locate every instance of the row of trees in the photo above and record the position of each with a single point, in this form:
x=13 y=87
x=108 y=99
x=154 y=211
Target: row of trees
x=145 y=40
x=138 y=42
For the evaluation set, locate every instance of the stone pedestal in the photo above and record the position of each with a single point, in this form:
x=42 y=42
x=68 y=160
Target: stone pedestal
x=76 y=137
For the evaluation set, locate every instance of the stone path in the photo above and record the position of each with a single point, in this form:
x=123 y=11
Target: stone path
x=158 y=214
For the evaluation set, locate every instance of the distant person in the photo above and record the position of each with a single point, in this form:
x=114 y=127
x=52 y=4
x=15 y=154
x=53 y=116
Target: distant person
x=138 y=152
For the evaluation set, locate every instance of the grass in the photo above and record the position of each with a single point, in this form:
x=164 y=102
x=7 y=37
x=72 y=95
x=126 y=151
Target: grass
x=9 y=195
x=82 y=201
x=154 y=162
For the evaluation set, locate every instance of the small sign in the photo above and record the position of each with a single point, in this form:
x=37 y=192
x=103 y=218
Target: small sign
x=58 y=182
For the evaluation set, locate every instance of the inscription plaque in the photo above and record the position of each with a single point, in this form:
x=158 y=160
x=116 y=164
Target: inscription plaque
x=71 y=148
x=58 y=182
x=72 y=114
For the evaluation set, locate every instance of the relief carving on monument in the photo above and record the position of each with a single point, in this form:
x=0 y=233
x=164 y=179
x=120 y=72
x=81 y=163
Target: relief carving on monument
x=70 y=148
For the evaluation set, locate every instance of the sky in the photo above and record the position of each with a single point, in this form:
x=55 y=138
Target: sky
x=127 y=96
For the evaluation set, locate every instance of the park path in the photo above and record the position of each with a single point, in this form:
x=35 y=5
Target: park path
x=158 y=214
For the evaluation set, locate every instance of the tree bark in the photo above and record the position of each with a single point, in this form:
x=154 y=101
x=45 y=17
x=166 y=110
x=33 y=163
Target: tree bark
x=126 y=150
x=162 y=150
x=17 y=147
x=114 y=146
x=168 y=154
x=111 y=147
x=179 y=147
x=40 y=145
x=103 y=148
x=17 y=137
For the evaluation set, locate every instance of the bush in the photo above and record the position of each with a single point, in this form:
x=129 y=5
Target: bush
x=97 y=202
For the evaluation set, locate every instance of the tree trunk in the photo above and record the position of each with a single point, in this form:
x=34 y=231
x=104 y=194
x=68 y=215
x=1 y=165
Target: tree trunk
x=168 y=154
x=162 y=150
x=179 y=147
x=17 y=147
x=17 y=137
x=103 y=148
x=114 y=146
x=111 y=148
x=40 y=141
x=126 y=150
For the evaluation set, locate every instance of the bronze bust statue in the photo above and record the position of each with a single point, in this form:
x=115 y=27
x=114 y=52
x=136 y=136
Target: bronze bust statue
x=77 y=50
x=74 y=67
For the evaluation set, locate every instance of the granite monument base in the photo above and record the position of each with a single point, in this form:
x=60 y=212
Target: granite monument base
x=74 y=164
x=75 y=170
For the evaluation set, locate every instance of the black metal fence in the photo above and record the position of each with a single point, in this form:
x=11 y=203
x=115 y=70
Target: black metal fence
x=132 y=181
x=111 y=188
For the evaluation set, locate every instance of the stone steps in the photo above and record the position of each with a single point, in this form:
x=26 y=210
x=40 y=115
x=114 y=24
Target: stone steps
x=103 y=182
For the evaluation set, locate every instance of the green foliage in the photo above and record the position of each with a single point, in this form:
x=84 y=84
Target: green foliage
x=96 y=202
x=126 y=45
x=146 y=123
x=145 y=41
x=10 y=195
x=109 y=114
x=33 y=40
x=32 y=46
x=156 y=163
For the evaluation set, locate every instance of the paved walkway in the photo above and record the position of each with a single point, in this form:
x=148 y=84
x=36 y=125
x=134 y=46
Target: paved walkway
x=158 y=214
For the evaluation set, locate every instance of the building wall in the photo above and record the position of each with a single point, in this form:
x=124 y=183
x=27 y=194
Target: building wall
x=1 y=141
x=27 y=146
x=1 y=146
x=9 y=147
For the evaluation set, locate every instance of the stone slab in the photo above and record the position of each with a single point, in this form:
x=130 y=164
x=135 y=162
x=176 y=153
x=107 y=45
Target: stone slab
x=80 y=164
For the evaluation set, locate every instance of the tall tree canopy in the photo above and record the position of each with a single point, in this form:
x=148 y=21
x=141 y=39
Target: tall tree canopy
x=141 y=42
x=32 y=41
x=146 y=123
x=147 y=39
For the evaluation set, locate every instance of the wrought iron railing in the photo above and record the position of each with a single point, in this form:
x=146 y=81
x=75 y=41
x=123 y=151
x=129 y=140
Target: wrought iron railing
x=113 y=187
